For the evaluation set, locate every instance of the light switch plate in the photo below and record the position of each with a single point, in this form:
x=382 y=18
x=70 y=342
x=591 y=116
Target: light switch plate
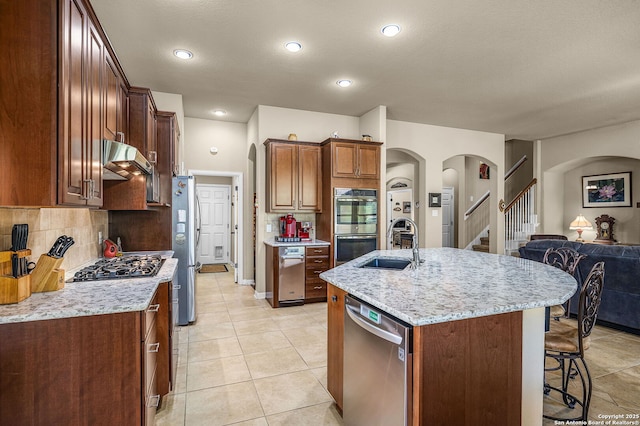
x=269 y=227
x=434 y=212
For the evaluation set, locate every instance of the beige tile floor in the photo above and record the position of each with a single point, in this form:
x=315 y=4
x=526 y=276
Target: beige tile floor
x=244 y=363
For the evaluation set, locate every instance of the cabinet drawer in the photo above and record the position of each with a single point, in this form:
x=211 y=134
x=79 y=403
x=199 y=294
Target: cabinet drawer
x=151 y=403
x=317 y=251
x=314 y=270
x=315 y=288
x=151 y=313
x=151 y=347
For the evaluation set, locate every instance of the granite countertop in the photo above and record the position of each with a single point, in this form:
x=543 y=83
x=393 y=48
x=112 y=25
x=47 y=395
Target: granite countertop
x=453 y=284
x=89 y=298
x=274 y=243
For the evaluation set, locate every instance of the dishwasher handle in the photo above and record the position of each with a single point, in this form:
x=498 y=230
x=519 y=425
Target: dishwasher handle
x=383 y=334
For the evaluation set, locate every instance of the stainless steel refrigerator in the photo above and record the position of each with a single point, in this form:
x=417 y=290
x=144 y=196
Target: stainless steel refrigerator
x=185 y=239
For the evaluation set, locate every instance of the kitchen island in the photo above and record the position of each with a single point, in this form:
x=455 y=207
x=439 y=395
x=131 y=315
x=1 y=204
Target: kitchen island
x=99 y=352
x=478 y=330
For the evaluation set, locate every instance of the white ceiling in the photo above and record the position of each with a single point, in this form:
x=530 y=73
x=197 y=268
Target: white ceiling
x=530 y=69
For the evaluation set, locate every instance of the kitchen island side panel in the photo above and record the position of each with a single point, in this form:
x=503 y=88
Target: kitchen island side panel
x=469 y=372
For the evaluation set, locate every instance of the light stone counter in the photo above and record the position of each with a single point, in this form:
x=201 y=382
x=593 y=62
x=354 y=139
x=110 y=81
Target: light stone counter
x=89 y=298
x=453 y=284
x=273 y=243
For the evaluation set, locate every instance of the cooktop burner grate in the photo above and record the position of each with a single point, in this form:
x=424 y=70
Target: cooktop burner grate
x=120 y=267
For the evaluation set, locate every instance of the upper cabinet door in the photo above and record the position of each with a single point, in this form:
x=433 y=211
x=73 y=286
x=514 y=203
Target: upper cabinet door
x=344 y=161
x=309 y=178
x=111 y=98
x=283 y=176
x=368 y=162
x=95 y=122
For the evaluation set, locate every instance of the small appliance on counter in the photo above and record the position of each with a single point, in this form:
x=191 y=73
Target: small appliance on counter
x=304 y=231
x=288 y=230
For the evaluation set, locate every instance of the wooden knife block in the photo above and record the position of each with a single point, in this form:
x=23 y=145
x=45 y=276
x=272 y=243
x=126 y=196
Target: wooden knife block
x=13 y=290
x=46 y=276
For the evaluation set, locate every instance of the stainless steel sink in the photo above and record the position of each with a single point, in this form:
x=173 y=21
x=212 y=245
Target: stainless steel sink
x=387 y=263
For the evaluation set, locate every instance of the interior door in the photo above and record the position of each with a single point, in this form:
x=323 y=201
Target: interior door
x=215 y=227
x=448 y=217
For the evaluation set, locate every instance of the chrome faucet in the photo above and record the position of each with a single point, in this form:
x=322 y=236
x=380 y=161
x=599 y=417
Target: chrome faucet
x=416 y=252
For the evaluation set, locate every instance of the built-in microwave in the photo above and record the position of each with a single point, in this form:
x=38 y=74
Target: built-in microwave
x=356 y=211
x=349 y=247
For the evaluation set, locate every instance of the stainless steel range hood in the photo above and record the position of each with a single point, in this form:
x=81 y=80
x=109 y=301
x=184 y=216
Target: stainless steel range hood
x=122 y=161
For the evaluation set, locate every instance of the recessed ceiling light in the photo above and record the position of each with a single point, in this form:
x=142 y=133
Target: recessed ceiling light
x=344 y=83
x=220 y=112
x=183 y=54
x=293 y=46
x=390 y=30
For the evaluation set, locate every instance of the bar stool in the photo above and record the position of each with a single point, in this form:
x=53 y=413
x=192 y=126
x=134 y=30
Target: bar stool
x=567 y=259
x=566 y=345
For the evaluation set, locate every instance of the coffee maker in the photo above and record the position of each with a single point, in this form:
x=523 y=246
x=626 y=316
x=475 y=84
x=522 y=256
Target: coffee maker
x=287 y=226
x=304 y=231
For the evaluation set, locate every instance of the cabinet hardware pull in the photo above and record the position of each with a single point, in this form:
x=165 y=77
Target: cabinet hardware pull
x=154 y=308
x=318 y=261
x=334 y=298
x=318 y=272
x=177 y=286
x=318 y=287
x=157 y=401
x=154 y=347
x=85 y=189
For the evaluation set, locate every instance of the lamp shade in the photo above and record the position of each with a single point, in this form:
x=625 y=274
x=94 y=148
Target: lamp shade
x=580 y=222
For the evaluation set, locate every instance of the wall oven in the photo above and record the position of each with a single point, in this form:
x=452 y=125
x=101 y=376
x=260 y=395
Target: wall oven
x=356 y=223
x=348 y=247
x=356 y=211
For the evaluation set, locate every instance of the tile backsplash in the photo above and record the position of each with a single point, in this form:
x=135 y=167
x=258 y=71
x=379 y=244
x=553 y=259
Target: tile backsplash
x=47 y=224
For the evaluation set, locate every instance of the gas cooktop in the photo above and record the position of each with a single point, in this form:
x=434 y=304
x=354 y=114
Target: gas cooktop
x=133 y=266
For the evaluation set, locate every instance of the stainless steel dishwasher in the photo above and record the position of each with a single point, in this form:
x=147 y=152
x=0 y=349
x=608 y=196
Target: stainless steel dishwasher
x=291 y=272
x=377 y=367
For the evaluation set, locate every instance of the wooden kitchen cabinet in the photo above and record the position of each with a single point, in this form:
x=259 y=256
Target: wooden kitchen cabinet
x=142 y=122
x=53 y=95
x=116 y=102
x=294 y=176
x=316 y=261
x=335 y=342
x=99 y=369
x=354 y=159
x=168 y=137
x=80 y=107
x=132 y=194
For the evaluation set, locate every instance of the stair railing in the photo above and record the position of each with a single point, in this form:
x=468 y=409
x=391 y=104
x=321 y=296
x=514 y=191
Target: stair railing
x=520 y=220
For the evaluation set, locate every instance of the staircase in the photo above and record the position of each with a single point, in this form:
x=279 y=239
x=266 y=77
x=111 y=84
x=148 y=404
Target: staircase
x=483 y=246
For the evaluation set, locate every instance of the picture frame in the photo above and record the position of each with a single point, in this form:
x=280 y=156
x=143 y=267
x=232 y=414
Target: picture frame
x=607 y=190
x=435 y=199
x=484 y=172
x=406 y=207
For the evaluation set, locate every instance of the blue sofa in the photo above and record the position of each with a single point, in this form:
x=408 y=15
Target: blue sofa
x=620 y=306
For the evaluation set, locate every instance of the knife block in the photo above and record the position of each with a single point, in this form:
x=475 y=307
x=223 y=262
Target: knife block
x=46 y=276
x=13 y=290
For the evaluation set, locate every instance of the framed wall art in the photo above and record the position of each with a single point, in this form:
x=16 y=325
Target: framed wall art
x=609 y=190
x=484 y=171
x=435 y=199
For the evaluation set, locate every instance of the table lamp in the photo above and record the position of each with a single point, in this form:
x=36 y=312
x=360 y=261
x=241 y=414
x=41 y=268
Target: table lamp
x=580 y=224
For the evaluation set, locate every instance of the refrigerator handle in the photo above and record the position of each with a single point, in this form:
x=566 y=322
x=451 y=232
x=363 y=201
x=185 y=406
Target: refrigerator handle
x=198 y=220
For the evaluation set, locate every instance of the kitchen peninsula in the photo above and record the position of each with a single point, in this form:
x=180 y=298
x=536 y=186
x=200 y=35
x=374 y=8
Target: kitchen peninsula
x=477 y=331
x=100 y=352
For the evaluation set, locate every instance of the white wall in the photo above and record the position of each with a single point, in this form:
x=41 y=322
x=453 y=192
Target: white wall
x=230 y=139
x=574 y=152
x=436 y=144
